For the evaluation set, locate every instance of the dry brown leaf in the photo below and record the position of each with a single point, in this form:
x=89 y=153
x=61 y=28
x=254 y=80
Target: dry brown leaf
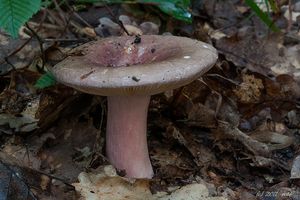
x=274 y=140
x=171 y=164
x=21 y=58
x=249 y=91
x=106 y=185
x=203 y=155
x=295 y=172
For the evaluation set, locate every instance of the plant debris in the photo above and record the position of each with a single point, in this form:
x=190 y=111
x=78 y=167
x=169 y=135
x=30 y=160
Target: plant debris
x=231 y=134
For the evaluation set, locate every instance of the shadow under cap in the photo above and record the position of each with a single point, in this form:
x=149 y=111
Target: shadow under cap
x=129 y=66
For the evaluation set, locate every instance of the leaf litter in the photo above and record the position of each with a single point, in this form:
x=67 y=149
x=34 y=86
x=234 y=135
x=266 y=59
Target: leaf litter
x=232 y=134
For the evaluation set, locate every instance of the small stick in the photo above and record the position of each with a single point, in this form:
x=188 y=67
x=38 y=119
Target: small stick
x=116 y=19
x=40 y=43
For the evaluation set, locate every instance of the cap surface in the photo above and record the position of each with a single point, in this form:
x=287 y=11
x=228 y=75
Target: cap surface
x=130 y=65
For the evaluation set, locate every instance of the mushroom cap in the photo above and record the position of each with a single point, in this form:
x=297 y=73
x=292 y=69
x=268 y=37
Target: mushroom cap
x=129 y=65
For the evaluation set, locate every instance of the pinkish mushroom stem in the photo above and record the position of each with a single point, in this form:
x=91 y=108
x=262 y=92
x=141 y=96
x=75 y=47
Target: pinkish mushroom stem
x=126 y=135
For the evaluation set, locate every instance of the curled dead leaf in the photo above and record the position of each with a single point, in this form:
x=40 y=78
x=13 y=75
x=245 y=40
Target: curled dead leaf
x=106 y=185
x=250 y=89
x=274 y=140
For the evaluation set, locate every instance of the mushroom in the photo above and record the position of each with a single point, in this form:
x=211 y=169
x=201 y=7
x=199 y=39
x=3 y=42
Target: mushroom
x=128 y=70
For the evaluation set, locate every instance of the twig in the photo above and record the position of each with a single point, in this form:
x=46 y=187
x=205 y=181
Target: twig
x=290 y=21
x=46 y=25
x=8 y=62
x=40 y=43
x=64 y=22
x=27 y=154
x=77 y=15
x=222 y=77
x=64 y=40
x=119 y=22
x=60 y=11
x=96 y=148
x=56 y=178
x=98 y=136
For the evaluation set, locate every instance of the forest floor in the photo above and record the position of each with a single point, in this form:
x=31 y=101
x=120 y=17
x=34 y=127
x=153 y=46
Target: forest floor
x=234 y=133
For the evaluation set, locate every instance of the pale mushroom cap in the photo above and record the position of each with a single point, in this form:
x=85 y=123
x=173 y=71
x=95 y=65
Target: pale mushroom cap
x=177 y=62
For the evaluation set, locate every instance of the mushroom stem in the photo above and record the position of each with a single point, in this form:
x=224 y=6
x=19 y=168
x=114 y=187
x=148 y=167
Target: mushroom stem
x=126 y=135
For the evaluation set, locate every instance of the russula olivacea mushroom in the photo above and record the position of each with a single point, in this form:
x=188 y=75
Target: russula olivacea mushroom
x=128 y=70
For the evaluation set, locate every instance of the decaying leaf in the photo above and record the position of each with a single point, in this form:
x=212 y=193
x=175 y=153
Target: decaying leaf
x=258 y=148
x=18 y=182
x=249 y=91
x=272 y=139
x=259 y=161
x=24 y=123
x=237 y=127
x=171 y=164
x=12 y=185
x=19 y=60
x=201 y=115
x=22 y=155
x=106 y=185
x=293 y=119
x=295 y=172
x=202 y=155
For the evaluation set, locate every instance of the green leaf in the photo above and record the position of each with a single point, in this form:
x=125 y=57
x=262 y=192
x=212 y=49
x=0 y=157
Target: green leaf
x=46 y=3
x=274 y=6
x=175 y=8
x=14 y=13
x=46 y=80
x=263 y=16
